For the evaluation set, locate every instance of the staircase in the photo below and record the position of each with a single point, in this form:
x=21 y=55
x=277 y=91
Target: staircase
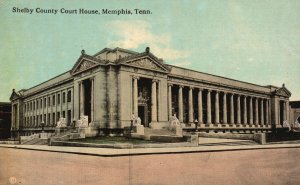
x=159 y=132
x=228 y=143
x=36 y=141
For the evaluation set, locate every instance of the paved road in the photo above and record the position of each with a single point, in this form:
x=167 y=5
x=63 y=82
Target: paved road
x=269 y=166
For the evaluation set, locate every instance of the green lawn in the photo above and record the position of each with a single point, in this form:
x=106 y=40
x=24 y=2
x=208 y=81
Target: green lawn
x=112 y=140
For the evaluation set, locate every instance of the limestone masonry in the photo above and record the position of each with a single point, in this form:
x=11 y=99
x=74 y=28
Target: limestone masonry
x=114 y=85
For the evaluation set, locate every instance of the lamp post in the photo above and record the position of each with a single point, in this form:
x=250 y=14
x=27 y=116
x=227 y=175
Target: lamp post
x=42 y=124
x=196 y=124
x=74 y=123
x=131 y=124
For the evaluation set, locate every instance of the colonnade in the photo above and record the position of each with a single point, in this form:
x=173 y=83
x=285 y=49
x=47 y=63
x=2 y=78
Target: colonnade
x=247 y=115
x=154 y=106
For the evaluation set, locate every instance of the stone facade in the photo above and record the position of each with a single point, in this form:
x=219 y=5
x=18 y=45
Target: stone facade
x=294 y=112
x=114 y=84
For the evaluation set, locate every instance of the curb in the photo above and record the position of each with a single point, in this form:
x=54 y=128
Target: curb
x=128 y=153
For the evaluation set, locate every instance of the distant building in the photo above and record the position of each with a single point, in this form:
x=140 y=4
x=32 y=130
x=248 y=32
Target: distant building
x=294 y=111
x=112 y=85
x=5 y=120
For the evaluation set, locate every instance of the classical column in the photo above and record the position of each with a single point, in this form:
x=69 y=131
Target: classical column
x=135 y=95
x=251 y=111
x=217 y=112
x=191 y=109
x=231 y=109
x=208 y=106
x=180 y=104
x=92 y=100
x=267 y=112
x=81 y=99
x=279 y=112
x=284 y=111
x=224 y=108
x=200 y=109
x=287 y=118
x=245 y=110
x=256 y=111
x=238 y=109
x=262 y=112
x=154 y=102
x=170 y=100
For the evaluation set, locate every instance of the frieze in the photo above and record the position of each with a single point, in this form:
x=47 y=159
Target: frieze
x=84 y=65
x=145 y=63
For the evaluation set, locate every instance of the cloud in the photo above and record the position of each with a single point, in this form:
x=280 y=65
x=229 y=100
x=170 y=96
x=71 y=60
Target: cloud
x=183 y=63
x=131 y=34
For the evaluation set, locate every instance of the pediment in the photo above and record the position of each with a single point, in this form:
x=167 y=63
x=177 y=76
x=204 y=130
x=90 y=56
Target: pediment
x=14 y=95
x=283 y=92
x=147 y=63
x=83 y=65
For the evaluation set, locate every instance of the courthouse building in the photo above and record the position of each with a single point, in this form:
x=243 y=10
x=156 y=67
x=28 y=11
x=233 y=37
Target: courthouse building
x=114 y=84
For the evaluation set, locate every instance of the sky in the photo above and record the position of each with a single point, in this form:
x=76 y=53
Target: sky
x=256 y=41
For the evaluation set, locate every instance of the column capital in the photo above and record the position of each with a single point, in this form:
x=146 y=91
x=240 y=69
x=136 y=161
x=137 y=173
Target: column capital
x=181 y=86
x=155 y=80
x=208 y=90
x=170 y=85
x=92 y=78
x=135 y=77
x=191 y=87
x=200 y=88
x=224 y=92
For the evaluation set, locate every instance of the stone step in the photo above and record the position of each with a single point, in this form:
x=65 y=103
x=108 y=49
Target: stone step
x=229 y=143
x=36 y=141
x=149 y=131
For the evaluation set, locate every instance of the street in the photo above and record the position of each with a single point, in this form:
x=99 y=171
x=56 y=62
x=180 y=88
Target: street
x=267 y=166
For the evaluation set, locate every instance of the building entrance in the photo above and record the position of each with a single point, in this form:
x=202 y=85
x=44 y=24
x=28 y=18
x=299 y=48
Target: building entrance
x=142 y=112
x=144 y=101
x=87 y=98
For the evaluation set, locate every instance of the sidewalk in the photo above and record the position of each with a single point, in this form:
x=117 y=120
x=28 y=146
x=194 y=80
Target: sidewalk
x=108 y=152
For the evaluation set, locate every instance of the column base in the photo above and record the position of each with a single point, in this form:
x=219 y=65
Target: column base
x=246 y=126
x=232 y=125
x=201 y=125
x=224 y=125
x=218 y=125
x=210 y=125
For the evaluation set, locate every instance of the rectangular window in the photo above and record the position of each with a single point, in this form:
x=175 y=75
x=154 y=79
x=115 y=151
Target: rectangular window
x=64 y=97
x=69 y=96
x=58 y=116
x=64 y=114
x=58 y=99
x=41 y=101
x=69 y=117
x=53 y=119
x=48 y=119
x=48 y=101
x=45 y=102
x=34 y=105
x=53 y=101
